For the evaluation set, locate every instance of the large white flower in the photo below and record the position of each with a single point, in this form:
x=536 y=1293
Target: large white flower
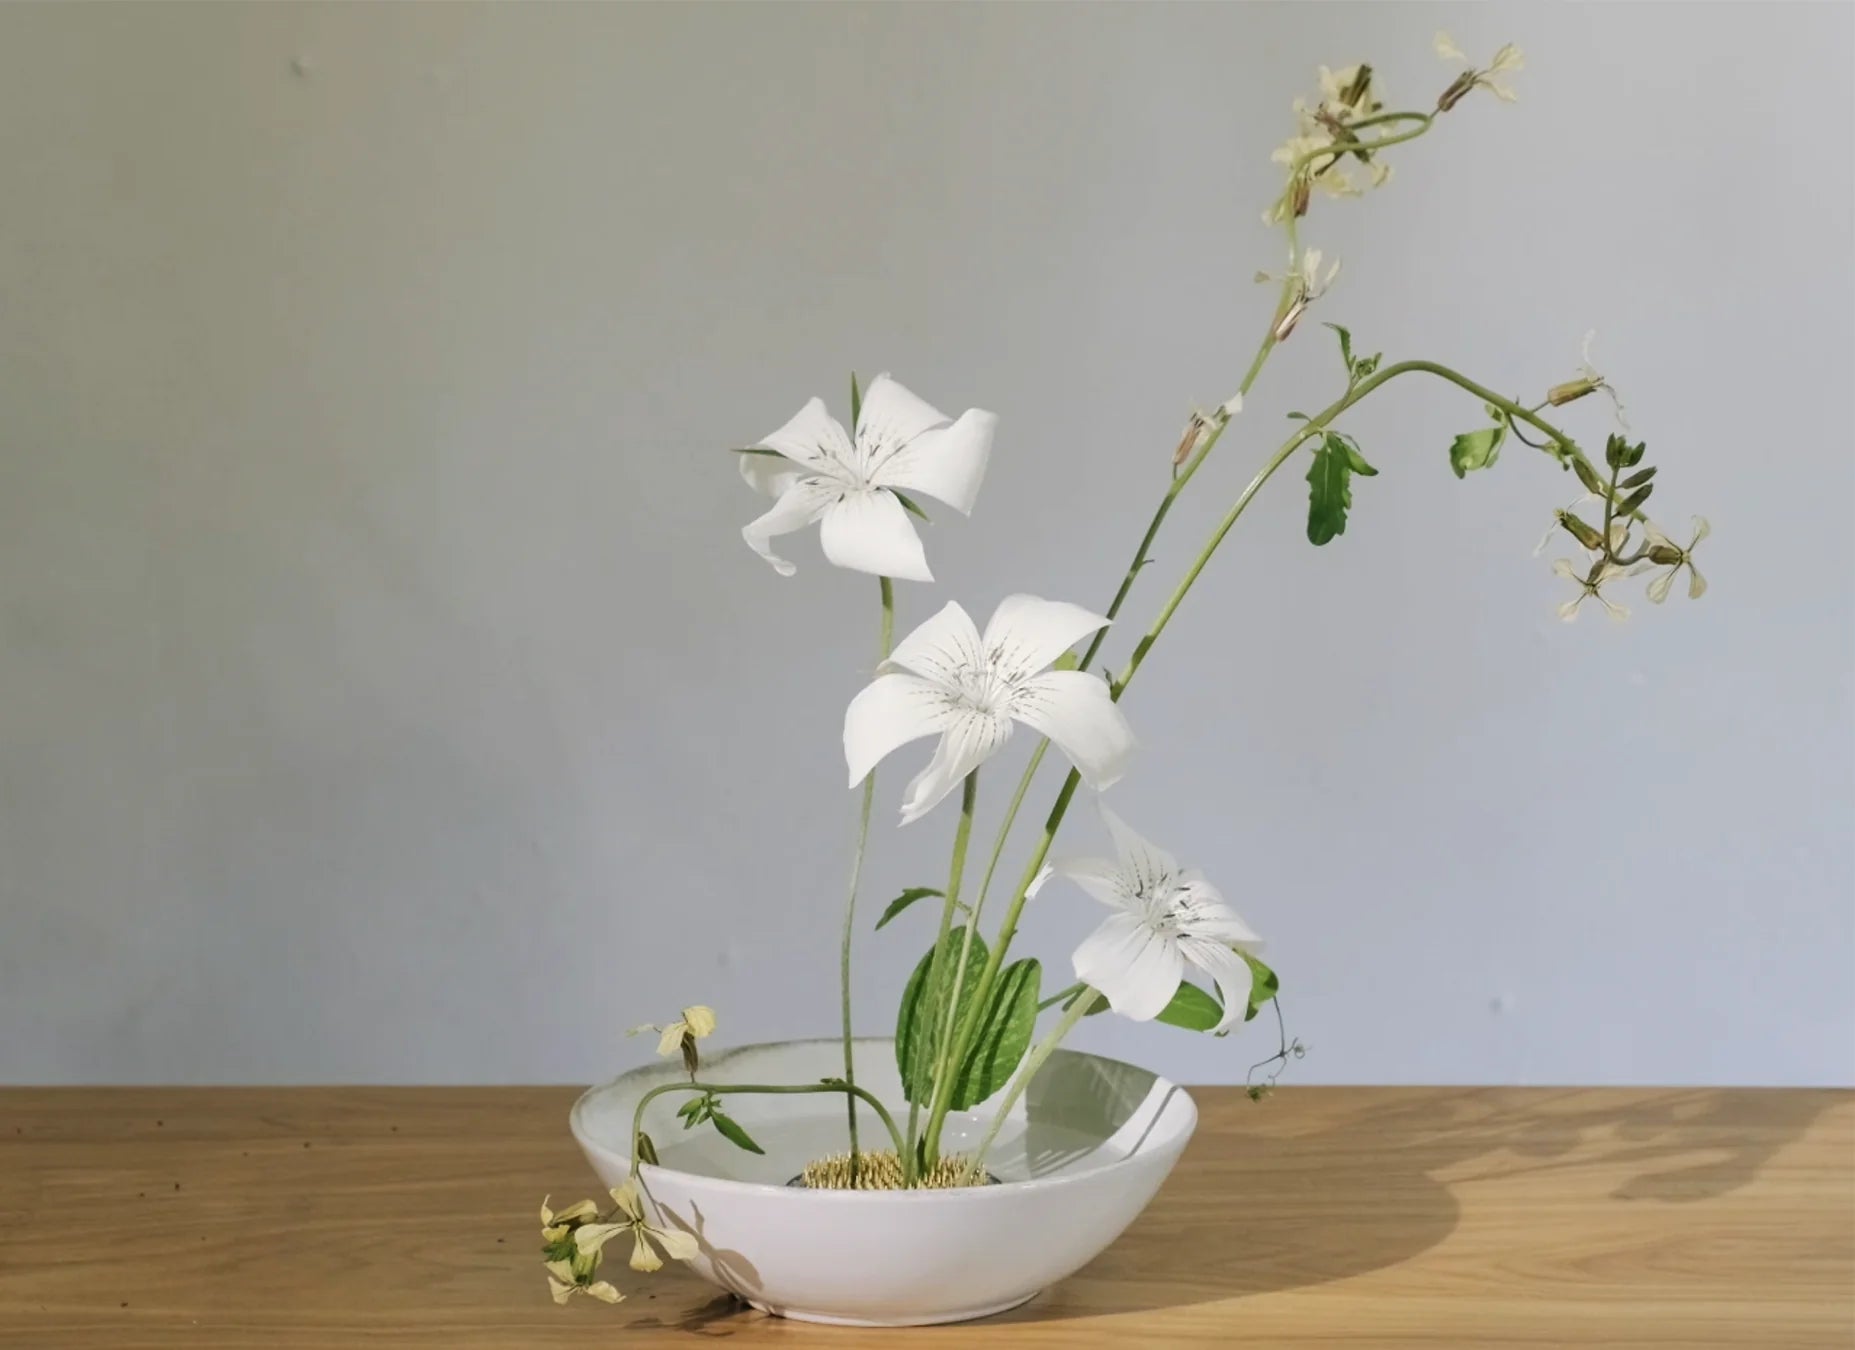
x=947 y=680
x=1165 y=918
x=820 y=473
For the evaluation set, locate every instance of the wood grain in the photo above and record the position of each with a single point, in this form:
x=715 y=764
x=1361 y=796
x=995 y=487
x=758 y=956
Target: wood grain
x=404 y=1217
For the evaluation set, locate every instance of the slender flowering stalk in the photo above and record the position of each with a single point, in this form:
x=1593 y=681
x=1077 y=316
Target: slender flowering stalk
x=856 y=877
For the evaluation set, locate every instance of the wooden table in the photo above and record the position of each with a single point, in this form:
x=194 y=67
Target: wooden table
x=284 y=1218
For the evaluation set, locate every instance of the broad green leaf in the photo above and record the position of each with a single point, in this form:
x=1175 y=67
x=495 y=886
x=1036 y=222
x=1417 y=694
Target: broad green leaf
x=923 y=1010
x=856 y=403
x=1004 y=1034
x=904 y=900
x=1330 y=493
x=1476 y=449
x=731 y=1131
x=1192 y=1008
x=910 y=505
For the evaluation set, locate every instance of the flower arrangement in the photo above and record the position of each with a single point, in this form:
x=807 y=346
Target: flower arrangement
x=1170 y=949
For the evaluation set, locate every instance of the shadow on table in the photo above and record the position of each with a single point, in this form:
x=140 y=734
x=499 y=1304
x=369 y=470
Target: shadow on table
x=1374 y=1189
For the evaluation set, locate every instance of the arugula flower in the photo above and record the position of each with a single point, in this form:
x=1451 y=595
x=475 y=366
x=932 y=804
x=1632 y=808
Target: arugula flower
x=1665 y=552
x=946 y=679
x=1165 y=918
x=856 y=487
x=628 y=1216
x=1508 y=58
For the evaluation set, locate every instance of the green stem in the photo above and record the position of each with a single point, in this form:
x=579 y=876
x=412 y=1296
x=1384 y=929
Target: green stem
x=856 y=877
x=1563 y=448
x=1077 y=1011
x=854 y=1092
x=937 y=974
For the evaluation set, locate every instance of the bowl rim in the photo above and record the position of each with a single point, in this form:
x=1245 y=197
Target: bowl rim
x=961 y=1194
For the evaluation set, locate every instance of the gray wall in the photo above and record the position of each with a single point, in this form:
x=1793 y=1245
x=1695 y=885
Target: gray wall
x=386 y=694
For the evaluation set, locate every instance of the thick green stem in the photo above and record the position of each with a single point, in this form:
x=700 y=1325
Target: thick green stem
x=856 y=877
x=937 y=974
x=854 y=1092
x=1077 y=1011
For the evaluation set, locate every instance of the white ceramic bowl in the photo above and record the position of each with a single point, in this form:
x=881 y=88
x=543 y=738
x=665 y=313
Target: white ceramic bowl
x=1084 y=1151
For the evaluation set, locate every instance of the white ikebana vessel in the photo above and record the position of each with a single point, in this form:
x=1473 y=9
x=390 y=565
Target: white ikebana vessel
x=960 y=1167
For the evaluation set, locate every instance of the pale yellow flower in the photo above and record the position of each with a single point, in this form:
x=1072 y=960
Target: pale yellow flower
x=605 y=1292
x=1590 y=585
x=629 y=1216
x=1506 y=60
x=1665 y=552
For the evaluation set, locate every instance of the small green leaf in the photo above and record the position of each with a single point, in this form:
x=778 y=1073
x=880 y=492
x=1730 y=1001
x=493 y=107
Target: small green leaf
x=1002 y=1037
x=1192 y=1008
x=1354 y=460
x=731 y=1131
x=1067 y=661
x=1264 y=984
x=904 y=900
x=910 y=505
x=1330 y=493
x=856 y=404
x=1367 y=365
x=1476 y=449
x=1346 y=346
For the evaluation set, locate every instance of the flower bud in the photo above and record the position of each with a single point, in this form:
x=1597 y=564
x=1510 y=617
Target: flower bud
x=1588 y=476
x=1582 y=532
x=1666 y=554
x=1456 y=92
x=1571 y=391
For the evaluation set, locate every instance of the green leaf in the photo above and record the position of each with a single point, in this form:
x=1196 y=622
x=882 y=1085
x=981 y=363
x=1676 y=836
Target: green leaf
x=1476 y=449
x=904 y=900
x=1367 y=365
x=910 y=505
x=1264 y=985
x=1002 y=1037
x=1330 y=493
x=733 y=1133
x=923 y=1009
x=1346 y=346
x=856 y=404
x=1192 y=1008
x=1067 y=661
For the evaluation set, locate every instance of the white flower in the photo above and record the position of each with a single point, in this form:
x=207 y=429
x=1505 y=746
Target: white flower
x=1558 y=521
x=901 y=445
x=1667 y=553
x=1165 y=917
x=1508 y=58
x=1308 y=286
x=1590 y=584
x=945 y=679
x=680 y=1246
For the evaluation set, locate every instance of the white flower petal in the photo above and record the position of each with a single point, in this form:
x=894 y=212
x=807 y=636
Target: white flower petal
x=973 y=738
x=1446 y=47
x=1697 y=584
x=1229 y=971
x=802 y=503
x=1044 y=874
x=947 y=463
x=1569 y=610
x=1073 y=709
x=869 y=531
x=1203 y=912
x=1101 y=879
x=815 y=439
x=1137 y=969
x=644 y=1257
x=1701 y=530
x=770 y=475
x=891 y=417
x=940 y=648
x=889 y=713
x=1562 y=567
x=1658 y=588
x=1145 y=866
x=1026 y=633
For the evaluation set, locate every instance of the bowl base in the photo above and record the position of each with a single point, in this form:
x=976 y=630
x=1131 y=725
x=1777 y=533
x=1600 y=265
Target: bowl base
x=932 y=1319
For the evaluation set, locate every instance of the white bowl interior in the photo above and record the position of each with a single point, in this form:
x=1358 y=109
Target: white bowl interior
x=1080 y=1113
